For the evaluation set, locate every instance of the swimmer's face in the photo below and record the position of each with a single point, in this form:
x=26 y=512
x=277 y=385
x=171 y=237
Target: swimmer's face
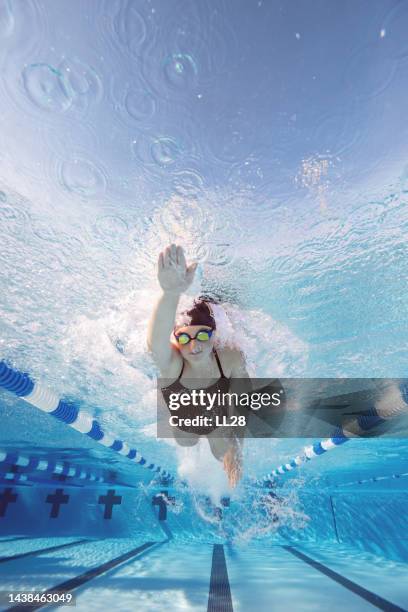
x=195 y=350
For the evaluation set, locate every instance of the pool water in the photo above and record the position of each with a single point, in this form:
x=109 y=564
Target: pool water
x=269 y=140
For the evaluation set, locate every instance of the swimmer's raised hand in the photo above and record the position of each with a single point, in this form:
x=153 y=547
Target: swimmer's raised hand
x=174 y=277
x=173 y=273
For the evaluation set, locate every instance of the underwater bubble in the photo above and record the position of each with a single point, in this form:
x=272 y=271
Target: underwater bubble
x=83 y=177
x=312 y=171
x=180 y=71
x=47 y=88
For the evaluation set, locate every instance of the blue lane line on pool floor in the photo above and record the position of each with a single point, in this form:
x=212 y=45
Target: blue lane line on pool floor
x=74 y=583
x=372 y=598
x=219 y=597
x=39 y=551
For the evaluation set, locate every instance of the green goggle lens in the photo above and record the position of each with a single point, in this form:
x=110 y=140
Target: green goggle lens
x=202 y=335
x=183 y=339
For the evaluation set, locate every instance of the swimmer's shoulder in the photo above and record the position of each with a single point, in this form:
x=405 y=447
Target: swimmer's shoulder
x=232 y=361
x=173 y=369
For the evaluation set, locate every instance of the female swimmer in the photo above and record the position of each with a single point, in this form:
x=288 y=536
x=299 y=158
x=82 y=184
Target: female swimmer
x=193 y=356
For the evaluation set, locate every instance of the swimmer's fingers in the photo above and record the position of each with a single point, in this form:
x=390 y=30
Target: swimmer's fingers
x=173 y=253
x=181 y=260
x=190 y=272
x=173 y=273
x=166 y=257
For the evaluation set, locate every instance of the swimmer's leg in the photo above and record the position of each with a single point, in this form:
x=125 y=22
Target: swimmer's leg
x=218 y=446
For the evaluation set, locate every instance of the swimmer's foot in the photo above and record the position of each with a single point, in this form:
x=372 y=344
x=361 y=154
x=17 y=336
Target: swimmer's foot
x=233 y=465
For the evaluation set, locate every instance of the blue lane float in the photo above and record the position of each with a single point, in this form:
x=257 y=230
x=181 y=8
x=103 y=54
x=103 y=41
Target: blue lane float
x=7 y=477
x=48 y=466
x=20 y=384
x=366 y=420
x=308 y=453
x=373 y=479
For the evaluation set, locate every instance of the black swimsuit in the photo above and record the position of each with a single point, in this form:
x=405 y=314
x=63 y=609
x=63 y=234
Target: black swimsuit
x=221 y=385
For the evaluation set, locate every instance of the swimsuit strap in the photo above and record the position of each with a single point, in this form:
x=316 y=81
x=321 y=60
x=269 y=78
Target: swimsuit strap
x=218 y=362
x=182 y=370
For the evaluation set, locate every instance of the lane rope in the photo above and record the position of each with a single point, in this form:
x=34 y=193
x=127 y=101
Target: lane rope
x=21 y=385
x=367 y=420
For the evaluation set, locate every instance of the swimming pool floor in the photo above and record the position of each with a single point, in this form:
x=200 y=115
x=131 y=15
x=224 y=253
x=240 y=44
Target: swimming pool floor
x=131 y=574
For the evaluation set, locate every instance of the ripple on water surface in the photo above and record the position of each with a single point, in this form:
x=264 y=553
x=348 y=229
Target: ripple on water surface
x=134 y=104
x=56 y=89
x=23 y=26
x=394 y=26
x=47 y=88
x=128 y=25
x=370 y=71
x=83 y=177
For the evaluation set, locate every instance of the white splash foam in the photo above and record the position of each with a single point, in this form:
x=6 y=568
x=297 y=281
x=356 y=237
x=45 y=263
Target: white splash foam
x=203 y=472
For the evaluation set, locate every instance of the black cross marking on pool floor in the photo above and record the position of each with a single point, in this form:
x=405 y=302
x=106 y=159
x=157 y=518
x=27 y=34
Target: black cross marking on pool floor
x=6 y=498
x=56 y=500
x=110 y=500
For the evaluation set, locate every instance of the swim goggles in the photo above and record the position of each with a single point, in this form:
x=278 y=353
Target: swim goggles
x=203 y=335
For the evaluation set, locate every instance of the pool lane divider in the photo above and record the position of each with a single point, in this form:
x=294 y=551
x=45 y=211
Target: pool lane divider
x=21 y=385
x=62 y=468
x=7 y=477
x=219 y=596
x=366 y=421
x=308 y=453
x=74 y=583
x=372 y=598
x=373 y=479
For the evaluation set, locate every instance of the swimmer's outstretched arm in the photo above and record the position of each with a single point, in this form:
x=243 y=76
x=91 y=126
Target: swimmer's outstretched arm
x=174 y=277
